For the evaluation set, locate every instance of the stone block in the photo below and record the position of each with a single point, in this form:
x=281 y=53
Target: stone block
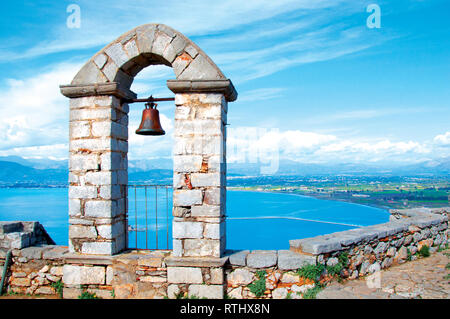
x=45 y=291
x=110 y=192
x=145 y=36
x=80 y=129
x=101 y=178
x=175 y=48
x=55 y=253
x=191 y=50
x=279 y=293
x=76 y=231
x=21 y=282
x=82 y=192
x=100 y=60
x=187 y=163
x=184 y=275
x=33 y=252
x=10 y=227
x=91 y=144
x=160 y=43
x=111 y=231
x=152 y=279
x=187 y=197
x=187 y=230
x=84 y=275
x=89 y=73
x=83 y=162
x=172 y=291
x=239 y=258
x=206 y=211
x=215 y=196
x=217 y=276
x=206 y=291
x=132 y=49
x=206 y=179
x=240 y=276
x=217 y=163
x=200 y=69
x=316 y=245
x=181 y=63
x=100 y=208
x=261 y=259
x=117 y=54
x=202 y=248
x=177 y=249
x=98 y=248
x=112 y=161
x=289 y=260
x=214 y=230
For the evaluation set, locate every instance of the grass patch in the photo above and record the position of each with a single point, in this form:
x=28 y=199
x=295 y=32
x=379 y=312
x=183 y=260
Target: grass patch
x=312 y=292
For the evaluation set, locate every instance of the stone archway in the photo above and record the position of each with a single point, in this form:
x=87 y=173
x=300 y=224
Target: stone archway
x=99 y=143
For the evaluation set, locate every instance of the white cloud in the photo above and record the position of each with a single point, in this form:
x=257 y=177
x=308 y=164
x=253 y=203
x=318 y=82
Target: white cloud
x=443 y=139
x=310 y=147
x=34 y=113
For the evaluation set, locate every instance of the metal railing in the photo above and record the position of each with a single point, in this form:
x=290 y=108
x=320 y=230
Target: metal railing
x=150 y=205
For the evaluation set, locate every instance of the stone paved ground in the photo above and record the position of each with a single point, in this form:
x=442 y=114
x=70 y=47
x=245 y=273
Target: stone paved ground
x=422 y=278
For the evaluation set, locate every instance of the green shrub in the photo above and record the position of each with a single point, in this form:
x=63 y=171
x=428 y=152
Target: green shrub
x=408 y=254
x=424 y=251
x=58 y=286
x=312 y=272
x=259 y=286
x=335 y=270
x=88 y=295
x=343 y=259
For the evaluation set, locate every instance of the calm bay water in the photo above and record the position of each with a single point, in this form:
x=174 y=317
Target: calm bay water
x=256 y=220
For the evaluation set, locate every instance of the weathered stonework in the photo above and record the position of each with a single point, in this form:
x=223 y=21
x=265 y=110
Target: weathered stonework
x=99 y=141
x=99 y=145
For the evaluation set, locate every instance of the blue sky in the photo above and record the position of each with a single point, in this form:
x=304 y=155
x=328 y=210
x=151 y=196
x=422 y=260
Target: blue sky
x=312 y=77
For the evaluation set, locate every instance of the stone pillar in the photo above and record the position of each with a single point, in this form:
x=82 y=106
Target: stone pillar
x=98 y=165
x=199 y=182
x=199 y=175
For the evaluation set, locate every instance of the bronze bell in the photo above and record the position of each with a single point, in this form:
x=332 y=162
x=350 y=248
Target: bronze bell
x=150 y=124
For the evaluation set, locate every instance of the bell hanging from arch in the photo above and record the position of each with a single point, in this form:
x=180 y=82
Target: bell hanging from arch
x=150 y=124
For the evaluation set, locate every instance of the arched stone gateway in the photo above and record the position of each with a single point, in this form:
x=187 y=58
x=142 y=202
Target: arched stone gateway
x=99 y=144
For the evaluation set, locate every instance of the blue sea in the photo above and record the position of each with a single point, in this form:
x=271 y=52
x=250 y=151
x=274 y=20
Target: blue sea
x=255 y=220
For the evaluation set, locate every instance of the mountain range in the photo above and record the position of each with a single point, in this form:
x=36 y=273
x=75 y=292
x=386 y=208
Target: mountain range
x=17 y=170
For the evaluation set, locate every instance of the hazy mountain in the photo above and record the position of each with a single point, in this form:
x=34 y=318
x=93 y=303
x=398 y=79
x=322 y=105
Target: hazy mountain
x=43 y=163
x=159 y=171
x=14 y=173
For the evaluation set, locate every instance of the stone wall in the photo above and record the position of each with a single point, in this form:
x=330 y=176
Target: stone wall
x=160 y=274
x=18 y=235
x=34 y=270
x=133 y=274
x=366 y=250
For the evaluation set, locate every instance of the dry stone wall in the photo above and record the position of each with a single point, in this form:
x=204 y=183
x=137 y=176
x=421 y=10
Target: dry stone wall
x=238 y=274
x=35 y=270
